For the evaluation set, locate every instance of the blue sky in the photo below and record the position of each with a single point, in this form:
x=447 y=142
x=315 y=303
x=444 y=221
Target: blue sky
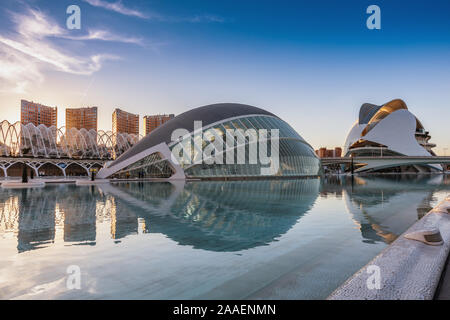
x=311 y=62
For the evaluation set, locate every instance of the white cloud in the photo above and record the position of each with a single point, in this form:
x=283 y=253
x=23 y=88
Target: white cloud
x=117 y=7
x=36 y=24
x=31 y=49
x=203 y=19
x=25 y=53
x=44 y=52
x=120 y=8
x=105 y=35
x=17 y=71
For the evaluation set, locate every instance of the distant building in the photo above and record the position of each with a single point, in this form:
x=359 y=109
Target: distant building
x=329 y=153
x=35 y=113
x=80 y=118
x=125 y=122
x=321 y=153
x=153 y=122
x=390 y=130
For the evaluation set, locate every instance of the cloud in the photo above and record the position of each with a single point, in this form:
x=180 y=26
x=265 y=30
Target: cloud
x=105 y=35
x=117 y=7
x=204 y=18
x=24 y=54
x=44 y=52
x=17 y=71
x=120 y=8
x=31 y=48
x=36 y=24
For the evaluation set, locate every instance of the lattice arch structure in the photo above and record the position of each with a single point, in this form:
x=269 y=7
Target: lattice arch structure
x=36 y=164
x=19 y=140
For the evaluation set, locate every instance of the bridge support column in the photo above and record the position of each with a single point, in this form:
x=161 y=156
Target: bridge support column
x=5 y=172
x=87 y=170
x=35 y=168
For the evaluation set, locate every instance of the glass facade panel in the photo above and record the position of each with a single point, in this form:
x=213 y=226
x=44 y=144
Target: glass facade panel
x=152 y=166
x=246 y=123
x=295 y=156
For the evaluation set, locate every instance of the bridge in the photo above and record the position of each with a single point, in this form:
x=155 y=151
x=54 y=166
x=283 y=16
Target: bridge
x=375 y=163
x=37 y=163
x=361 y=164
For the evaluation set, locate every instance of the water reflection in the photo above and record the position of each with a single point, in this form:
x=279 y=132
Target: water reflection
x=36 y=220
x=218 y=216
x=384 y=206
x=35 y=215
x=214 y=216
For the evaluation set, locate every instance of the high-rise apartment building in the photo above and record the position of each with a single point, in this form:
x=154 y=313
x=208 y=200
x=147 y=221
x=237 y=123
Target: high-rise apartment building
x=153 y=122
x=31 y=112
x=322 y=152
x=125 y=122
x=82 y=118
x=329 y=153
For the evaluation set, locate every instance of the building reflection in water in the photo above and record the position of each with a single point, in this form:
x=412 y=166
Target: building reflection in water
x=381 y=206
x=218 y=216
x=79 y=211
x=214 y=215
x=36 y=220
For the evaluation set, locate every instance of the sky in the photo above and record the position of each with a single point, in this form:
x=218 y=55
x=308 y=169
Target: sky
x=313 y=63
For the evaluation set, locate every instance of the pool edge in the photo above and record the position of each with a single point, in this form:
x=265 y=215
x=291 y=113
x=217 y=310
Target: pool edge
x=408 y=269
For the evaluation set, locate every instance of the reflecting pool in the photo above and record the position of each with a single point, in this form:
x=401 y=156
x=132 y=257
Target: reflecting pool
x=285 y=239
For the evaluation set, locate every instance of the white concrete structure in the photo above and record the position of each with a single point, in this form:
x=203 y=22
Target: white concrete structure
x=389 y=130
x=407 y=269
x=20 y=185
x=37 y=163
x=164 y=154
x=28 y=140
x=89 y=182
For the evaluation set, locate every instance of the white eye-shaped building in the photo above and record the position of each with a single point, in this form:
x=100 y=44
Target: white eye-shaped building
x=199 y=133
x=390 y=130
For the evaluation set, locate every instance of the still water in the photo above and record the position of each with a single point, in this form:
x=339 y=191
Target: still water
x=289 y=239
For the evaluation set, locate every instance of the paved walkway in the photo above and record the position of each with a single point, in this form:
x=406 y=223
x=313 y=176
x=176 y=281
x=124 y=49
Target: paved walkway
x=443 y=292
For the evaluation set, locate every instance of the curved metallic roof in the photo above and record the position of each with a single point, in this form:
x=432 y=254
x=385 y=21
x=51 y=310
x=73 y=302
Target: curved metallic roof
x=207 y=114
x=366 y=112
x=383 y=112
